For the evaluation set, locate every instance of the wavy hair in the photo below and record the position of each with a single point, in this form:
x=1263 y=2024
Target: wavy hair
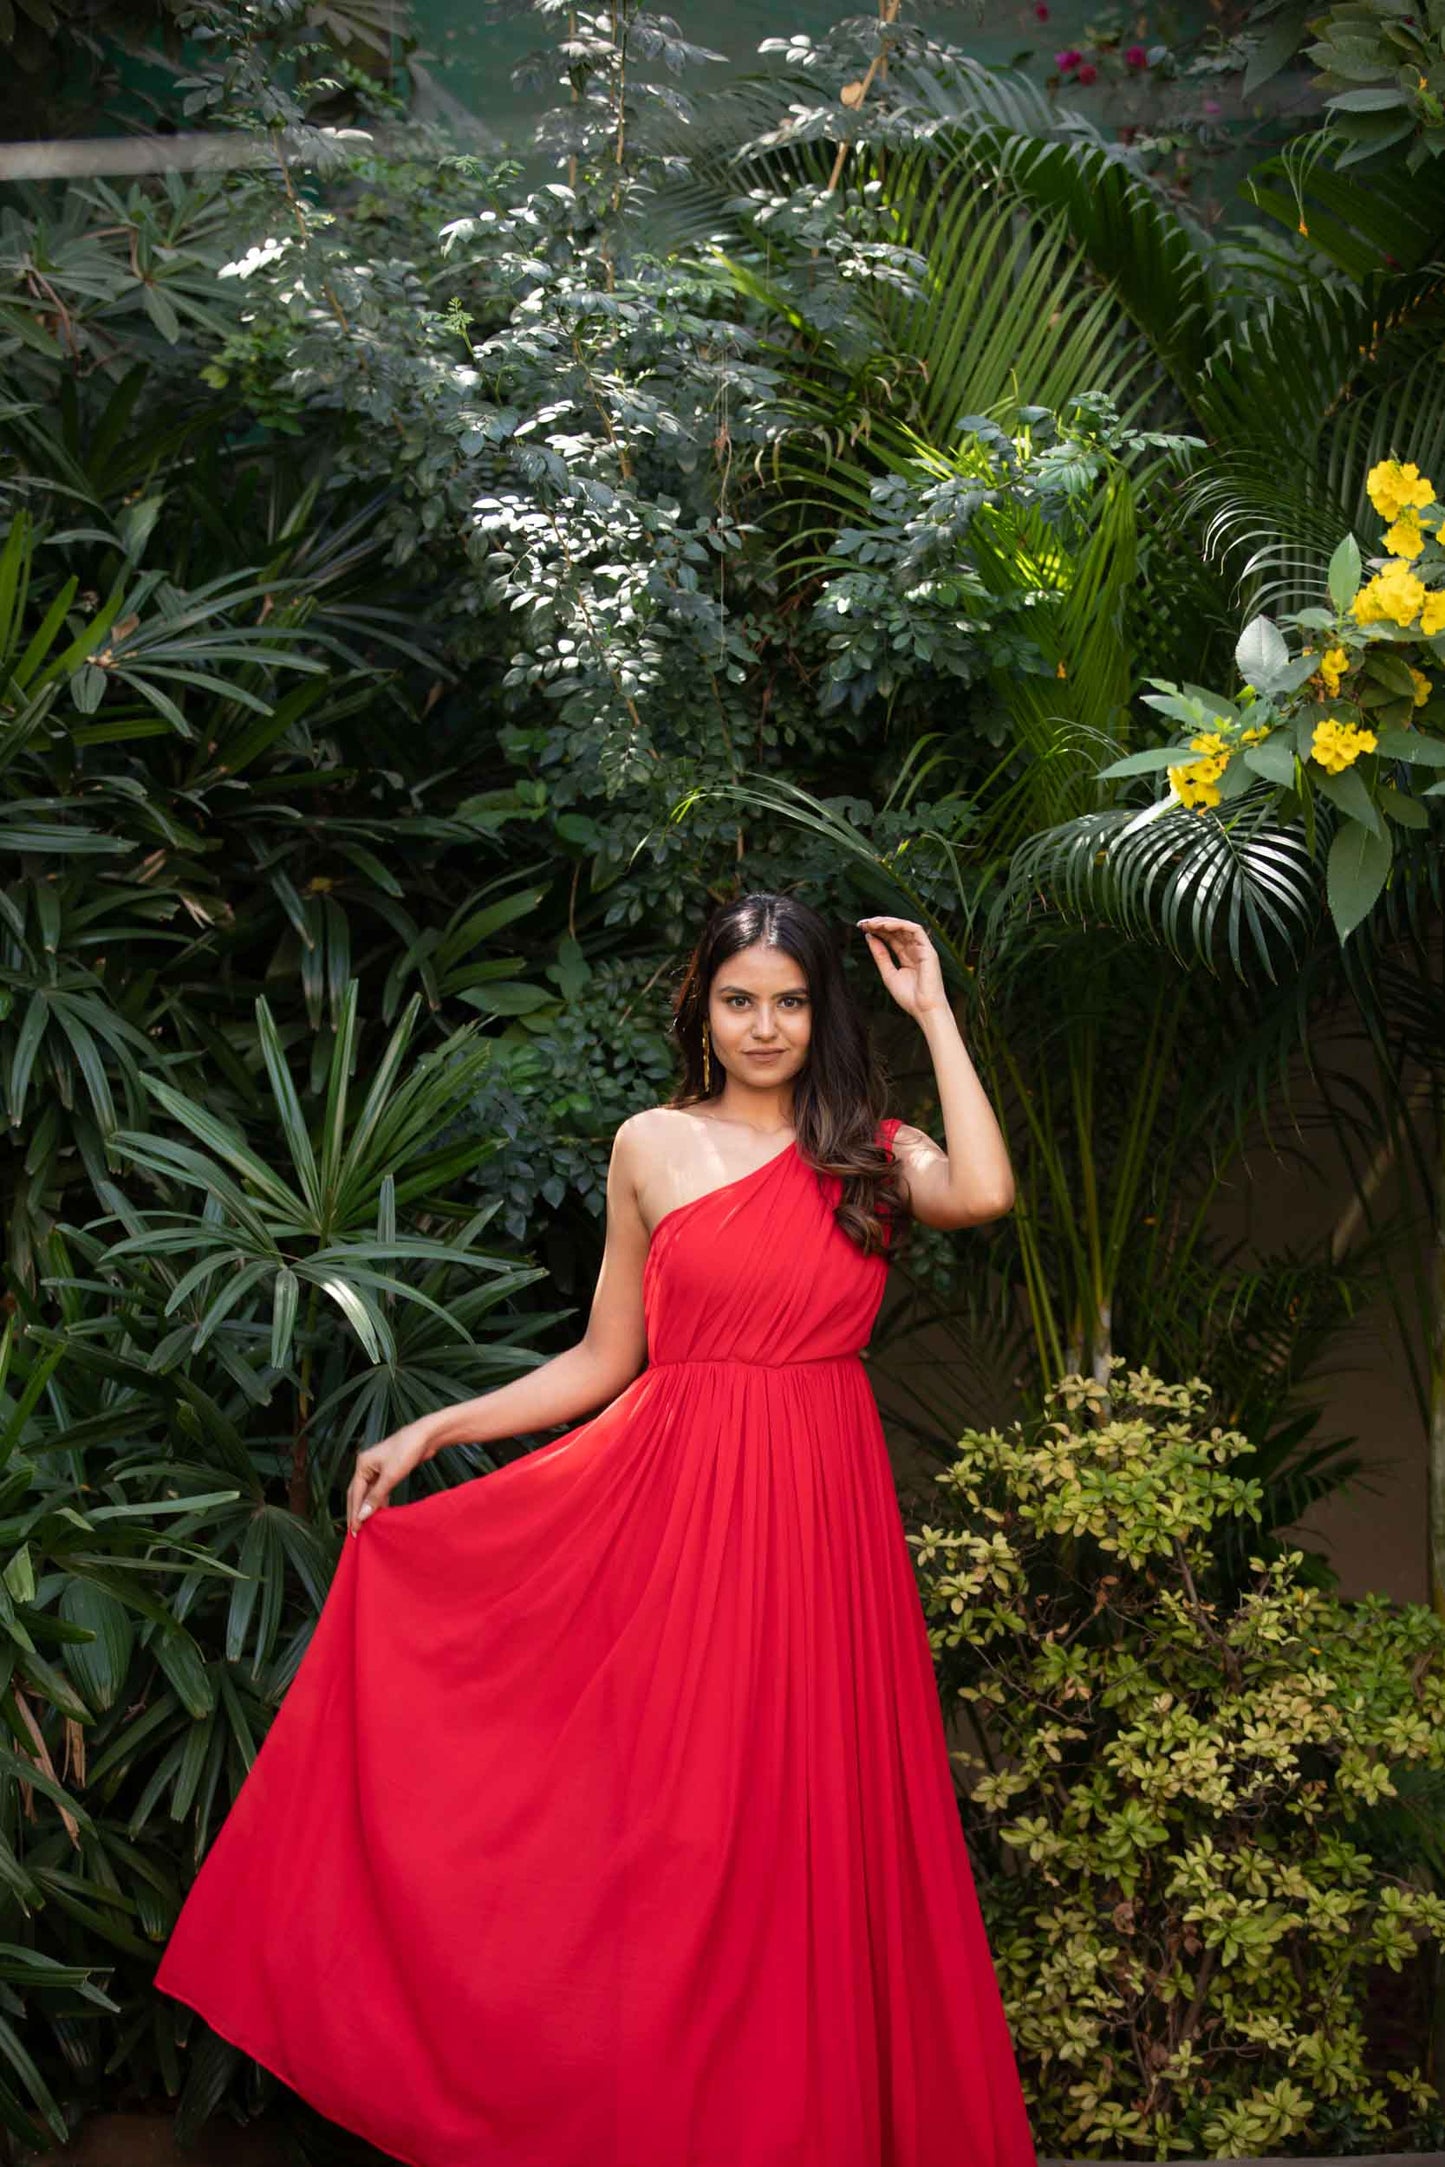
x=840 y=1093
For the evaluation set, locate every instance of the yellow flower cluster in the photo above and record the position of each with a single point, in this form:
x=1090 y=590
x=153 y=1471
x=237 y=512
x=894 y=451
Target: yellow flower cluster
x=1336 y=745
x=1196 y=782
x=1394 y=596
x=1397 y=595
x=1405 y=539
x=1333 y=664
x=1394 y=489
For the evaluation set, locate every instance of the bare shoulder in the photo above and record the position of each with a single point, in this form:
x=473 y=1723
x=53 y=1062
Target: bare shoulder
x=634 y=1139
x=656 y=1155
x=653 y=1136
x=637 y=1148
x=652 y=1128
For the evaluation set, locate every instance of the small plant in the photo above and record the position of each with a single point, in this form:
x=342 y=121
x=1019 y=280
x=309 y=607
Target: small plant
x=1192 y=1796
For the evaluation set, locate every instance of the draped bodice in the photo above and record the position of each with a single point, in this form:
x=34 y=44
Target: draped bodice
x=759 y=1271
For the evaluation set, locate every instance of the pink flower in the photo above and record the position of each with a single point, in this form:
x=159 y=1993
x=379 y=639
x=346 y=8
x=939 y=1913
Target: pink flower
x=1067 y=60
x=1041 y=13
x=1135 y=57
x=1212 y=106
x=1086 y=74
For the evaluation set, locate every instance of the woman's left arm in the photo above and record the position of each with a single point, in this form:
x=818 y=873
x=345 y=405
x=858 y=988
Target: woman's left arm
x=970 y=1180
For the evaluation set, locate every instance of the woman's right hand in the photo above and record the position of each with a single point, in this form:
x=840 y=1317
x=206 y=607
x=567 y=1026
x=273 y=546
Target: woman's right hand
x=381 y=1467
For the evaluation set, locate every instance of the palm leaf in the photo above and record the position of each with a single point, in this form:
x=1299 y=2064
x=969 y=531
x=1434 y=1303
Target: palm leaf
x=1399 y=216
x=1183 y=878
x=1003 y=314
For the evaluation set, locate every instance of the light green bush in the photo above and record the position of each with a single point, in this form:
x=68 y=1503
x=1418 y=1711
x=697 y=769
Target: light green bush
x=1193 y=1791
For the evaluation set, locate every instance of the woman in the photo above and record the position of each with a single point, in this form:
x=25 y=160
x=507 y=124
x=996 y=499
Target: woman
x=608 y=1821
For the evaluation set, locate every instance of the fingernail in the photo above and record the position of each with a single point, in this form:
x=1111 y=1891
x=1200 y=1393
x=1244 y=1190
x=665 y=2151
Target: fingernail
x=362 y=1514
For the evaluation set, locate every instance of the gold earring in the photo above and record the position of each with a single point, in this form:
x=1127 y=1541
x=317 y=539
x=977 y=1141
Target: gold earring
x=706 y=1061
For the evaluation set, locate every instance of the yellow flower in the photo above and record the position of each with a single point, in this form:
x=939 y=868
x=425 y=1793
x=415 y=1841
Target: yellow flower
x=1196 y=781
x=1195 y=784
x=1255 y=730
x=1406 y=538
x=1423 y=687
x=1336 y=745
x=1392 y=596
x=1432 y=614
x=1333 y=665
x=1394 y=488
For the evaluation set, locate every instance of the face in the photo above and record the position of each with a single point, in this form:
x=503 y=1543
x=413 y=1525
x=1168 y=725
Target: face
x=760 y=1015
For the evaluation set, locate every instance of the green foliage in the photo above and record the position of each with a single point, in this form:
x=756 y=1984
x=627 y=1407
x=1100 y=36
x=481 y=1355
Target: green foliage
x=176 y=1422
x=980 y=563
x=1191 y=1785
x=564 y=436
x=1382 y=75
x=162 y=743
x=559 y=1097
x=1121 y=296
x=327 y=1232
x=100 y=278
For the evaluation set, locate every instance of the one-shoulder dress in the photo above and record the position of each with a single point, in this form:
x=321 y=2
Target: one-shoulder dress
x=608 y=1820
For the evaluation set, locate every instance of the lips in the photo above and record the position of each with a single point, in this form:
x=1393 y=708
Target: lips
x=775 y=1054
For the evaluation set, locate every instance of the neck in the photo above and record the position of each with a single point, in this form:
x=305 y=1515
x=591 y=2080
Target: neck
x=759 y=1108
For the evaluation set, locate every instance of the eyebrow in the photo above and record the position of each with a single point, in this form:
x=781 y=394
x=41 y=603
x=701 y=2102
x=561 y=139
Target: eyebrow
x=748 y=990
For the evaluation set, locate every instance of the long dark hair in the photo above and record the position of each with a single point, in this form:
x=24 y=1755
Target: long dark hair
x=840 y=1093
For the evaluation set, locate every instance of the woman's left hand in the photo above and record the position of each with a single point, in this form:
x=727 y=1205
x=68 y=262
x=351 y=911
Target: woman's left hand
x=915 y=980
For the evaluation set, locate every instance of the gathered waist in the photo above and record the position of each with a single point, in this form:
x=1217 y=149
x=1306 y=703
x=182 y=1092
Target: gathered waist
x=742 y=1361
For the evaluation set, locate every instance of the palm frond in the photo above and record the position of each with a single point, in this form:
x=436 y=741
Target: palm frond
x=1398 y=218
x=1302 y=402
x=1185 y=879
x=1004 y=312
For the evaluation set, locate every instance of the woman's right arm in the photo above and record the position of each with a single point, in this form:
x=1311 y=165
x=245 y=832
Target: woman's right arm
x=604 y=1361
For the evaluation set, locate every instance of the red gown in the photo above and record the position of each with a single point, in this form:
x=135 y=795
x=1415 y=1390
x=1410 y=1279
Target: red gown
x=608 y=1820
